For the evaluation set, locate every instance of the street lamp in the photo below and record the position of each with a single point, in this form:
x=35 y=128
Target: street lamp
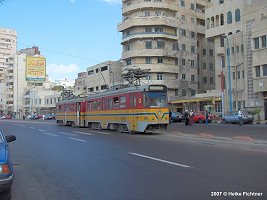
x=229 y=74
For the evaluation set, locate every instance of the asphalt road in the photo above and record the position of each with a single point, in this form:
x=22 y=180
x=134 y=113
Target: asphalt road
x=54 y=162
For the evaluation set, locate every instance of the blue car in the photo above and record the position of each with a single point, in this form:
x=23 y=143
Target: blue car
x=232 y=117
x=6 y=166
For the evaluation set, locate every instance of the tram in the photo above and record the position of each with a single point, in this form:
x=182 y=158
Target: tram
x=133 y=109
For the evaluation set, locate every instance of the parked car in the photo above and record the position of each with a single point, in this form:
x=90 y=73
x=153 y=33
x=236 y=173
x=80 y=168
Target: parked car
x=33 y=117
x=232 y=117
x=200 y=117
x=50 y=117
x=177 y=117
x=6 y=166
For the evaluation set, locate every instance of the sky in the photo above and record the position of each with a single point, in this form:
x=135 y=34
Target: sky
x=71 y=34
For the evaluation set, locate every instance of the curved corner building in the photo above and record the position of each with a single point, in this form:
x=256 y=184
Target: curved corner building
x=161 y=35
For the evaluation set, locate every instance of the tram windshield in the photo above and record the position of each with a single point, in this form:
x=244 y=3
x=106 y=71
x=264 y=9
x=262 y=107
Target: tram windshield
x=156 y=99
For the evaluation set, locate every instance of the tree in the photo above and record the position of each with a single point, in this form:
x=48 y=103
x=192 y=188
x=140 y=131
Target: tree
x=2 y=1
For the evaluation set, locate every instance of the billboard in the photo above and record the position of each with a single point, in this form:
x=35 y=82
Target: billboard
x=35 y=69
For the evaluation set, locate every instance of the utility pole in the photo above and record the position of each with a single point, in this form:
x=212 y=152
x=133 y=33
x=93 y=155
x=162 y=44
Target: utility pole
x=222 y=85
x=229 y=77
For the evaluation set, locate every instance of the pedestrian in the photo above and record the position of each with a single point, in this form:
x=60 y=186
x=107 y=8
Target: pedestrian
x=191 y=115
x=240 y=117
x=186 y=118
x=207 y=117
x=170 y=116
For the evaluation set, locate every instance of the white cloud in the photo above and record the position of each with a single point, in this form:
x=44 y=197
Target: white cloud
x=112 y=1
x=60 y=71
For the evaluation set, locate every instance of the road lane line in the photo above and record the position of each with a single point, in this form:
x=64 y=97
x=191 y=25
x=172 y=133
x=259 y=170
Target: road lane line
x=50 y=134
x=84 y=133
x=68 y=134
x=76 y=139
x=160 y=160
x=32 y=128
x=41 y=130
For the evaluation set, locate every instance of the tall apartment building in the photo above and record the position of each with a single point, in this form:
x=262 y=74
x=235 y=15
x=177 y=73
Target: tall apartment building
x=234 y=25
x=167 y=37
x=8 y=48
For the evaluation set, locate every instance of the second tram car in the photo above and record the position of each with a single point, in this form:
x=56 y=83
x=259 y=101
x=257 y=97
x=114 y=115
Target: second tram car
x=134 y=109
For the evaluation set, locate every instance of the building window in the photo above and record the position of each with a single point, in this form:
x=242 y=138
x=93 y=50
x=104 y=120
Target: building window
x=237 y=15
x=233 y=75
x=183 y=17
x=242 y=48
x=148 y=77
x=159 y=76
x=256 y=43
x=238 y=75
x=148 y=60
x=160 y=60
x=183 y=76
x=193 y=92
x=176 y=61
x=234 y=105
x=233 y=50
x=147 y=14
x=193 y=34
x=264 y=69
x=148 y=29
x=192 y=78
x=192 y=6
x=175 y=47
x=229 y=17
x=257 y=71
x=243 y=74
x=263 y=41
x=183 y=61
x=237 y=49
x=211 y=52
x=183 y=32
x=183 y=47
x=193 y=49
x=211 y=80
x=182 y=3
x=160 y=44
x=158 y=30
x=183 y=92
x=176 y=76
x=192 y=63
x=204 y=52
x=148 y=44
x=204 y=65
x=128 y=62
x=176 y=92
x=204 y=79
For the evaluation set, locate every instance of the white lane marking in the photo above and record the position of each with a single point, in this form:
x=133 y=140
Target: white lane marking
x=84 y=133
x=41 y=130
x=50 y=134
x=68 y=134
x=32 y=127
x=22 y=125
x=76 y=139
x=160 y=160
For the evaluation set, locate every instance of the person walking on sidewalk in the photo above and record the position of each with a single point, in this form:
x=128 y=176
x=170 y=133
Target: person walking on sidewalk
x=207 y=117
x=191 y=115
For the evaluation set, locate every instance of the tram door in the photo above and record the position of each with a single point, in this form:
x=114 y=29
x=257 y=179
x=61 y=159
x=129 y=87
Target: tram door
x=78 y=113
x=133 y=115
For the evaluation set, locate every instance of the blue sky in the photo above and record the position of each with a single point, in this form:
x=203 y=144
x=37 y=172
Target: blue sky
x=71 y=34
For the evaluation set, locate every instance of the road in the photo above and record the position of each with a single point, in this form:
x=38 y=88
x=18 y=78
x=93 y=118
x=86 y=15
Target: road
x=54 y=162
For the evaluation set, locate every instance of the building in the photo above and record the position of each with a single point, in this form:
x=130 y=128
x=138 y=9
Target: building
x=167 y=37
x=99 y=77
x=235 y=28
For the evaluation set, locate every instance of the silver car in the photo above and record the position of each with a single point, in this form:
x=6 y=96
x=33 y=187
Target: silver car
x=232 y=117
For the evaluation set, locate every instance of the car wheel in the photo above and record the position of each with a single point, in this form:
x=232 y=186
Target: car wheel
x=224 y=121
x=6 y=195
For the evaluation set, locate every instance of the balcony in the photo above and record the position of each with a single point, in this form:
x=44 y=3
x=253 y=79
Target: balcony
x=201 y=29
x=260 y=84
x=141 y=35
x=148 y=21
x=149 y=53
x=132 y=7
x=220 y=51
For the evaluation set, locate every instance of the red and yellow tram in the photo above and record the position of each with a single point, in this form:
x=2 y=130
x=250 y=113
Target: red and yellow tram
x=134 y=109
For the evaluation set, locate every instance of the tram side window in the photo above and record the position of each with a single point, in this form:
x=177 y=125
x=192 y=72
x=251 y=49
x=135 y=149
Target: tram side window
x=122 y=102
x=115 y=102
x=109 y=104
x=67 y=108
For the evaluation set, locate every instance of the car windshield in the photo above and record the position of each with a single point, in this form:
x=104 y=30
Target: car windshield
x=155 y=99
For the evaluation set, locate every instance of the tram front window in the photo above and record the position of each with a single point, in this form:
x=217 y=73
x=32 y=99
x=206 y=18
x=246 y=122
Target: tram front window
x=155 y=100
